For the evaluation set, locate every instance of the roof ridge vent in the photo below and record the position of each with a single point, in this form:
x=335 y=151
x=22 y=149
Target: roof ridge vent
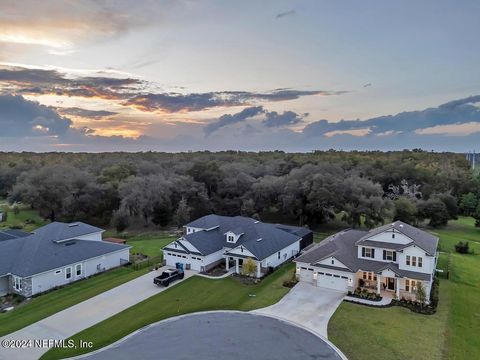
x=259 y=239
x=73 y=224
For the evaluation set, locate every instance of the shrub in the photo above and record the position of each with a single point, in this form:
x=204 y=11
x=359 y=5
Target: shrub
x=462 y=247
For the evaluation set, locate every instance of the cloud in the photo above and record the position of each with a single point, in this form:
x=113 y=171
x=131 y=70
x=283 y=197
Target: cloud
x=285 y=13
x=228 y=119
x=20 y=117
x=176 y=102
x=93 y=114
x=452 y=113
x=274 y=119
x=132 y=91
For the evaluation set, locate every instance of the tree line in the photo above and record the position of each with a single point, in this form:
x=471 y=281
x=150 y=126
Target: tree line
x=162 y=189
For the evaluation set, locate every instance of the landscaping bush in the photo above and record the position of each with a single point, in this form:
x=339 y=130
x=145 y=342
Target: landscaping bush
x=463 y=248
x=365 y=294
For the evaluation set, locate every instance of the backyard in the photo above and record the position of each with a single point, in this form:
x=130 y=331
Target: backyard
x=397 y=333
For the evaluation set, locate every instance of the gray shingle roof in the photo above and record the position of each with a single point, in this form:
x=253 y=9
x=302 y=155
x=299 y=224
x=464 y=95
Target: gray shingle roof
x=422 y=239
x=41 y=251
x=8 y=234
x=342 y=246
x=273 y=237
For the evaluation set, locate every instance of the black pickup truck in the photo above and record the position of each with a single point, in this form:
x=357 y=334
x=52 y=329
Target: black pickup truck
x=168 y=276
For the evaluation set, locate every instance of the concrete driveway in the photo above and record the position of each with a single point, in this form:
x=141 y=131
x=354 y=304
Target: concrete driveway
x=306 y=305
x=70 y=321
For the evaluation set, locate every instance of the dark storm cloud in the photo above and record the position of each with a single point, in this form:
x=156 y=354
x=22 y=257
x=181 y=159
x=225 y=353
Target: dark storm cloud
x=228 y=119
x=93 y=114
x=274 y=119
x=20 y=117
x=455 y=112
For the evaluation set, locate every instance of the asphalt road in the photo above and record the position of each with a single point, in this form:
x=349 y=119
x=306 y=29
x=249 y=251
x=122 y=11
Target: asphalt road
x=220 y=336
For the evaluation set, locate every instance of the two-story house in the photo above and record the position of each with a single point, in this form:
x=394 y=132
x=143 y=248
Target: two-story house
x=393 y=258
x=215 y=239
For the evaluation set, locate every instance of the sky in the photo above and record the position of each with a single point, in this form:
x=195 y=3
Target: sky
x=180 y=75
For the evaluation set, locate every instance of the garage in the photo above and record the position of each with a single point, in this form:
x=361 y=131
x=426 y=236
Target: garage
x=332 y=281
x=306 y=274
x=189 y=262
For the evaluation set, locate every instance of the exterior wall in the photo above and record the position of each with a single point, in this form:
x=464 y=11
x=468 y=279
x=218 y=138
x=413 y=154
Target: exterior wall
x=285 y=254
x=328 y=261
x=200 y=263
x=51 y=279
x=95 y=236
x=189 y=229
x=237 y=251
x=188 y=245
x=428 y=262
x=378 y=254
x=386 y=236
x=4 y=285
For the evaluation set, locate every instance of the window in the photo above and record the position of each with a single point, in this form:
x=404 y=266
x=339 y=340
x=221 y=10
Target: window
x=279 y=255
x=328 y=274
x=78 y=269
x=284 y=256
x=393 y=236
x=321 y=273
x=17 y=283
x=408 y=260
x=231 y=238
x=68 y=273
x=407 y=285
x=344 y=277
x=58 y=272
x=368 y=252
x=364 y=275
x=98 y=267
x=414 y=261
x=369 y=276
x=337 y=276
x=333 y=262
x=420 y=260
x=241 y=249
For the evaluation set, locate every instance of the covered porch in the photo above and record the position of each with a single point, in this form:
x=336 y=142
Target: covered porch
x=387 y=284
x=237 y=262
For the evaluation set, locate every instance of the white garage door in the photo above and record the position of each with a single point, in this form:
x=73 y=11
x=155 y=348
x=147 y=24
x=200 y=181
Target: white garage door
x=306 y=274
x=332 y=281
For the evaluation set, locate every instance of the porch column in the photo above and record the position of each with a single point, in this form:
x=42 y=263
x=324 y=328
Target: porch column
x=227 y=263
x=397 y=288
x=259 y=265
x=378 y=284
x=237 y=267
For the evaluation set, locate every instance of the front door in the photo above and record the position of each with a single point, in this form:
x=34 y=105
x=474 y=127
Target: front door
x=391 y=284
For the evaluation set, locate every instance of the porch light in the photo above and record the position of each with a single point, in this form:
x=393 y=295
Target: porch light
x=350 y=281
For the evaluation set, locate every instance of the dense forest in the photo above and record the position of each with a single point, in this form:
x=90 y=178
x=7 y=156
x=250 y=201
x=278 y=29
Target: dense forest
x=162 y=189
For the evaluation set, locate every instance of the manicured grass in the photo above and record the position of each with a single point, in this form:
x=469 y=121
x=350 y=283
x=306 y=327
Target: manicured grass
x=150 y=244
x=48 y=304
x=26 y=219
x=396 y=333
x=192 y=295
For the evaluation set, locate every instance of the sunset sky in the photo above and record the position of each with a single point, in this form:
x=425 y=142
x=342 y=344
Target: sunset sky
x=248 y=75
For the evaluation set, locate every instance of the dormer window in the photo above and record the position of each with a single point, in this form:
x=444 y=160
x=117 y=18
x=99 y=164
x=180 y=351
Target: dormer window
x=231 y=238
x=368 y=252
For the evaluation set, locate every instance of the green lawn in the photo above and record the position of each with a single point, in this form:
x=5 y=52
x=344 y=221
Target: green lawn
x=149 y=243
x=26 y=219
x=396 y=333
x=192 y=295
x=45 y=305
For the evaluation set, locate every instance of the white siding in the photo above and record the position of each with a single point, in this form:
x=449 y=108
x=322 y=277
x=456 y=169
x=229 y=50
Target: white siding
x=237 y=251
x=386 y=236
x=188 y=245
x=95 y=236
x=332 y=262
x=285 y=254
x=195 y=264
x=190 y=230
x=428 y=262
x=3 y=285
x=48 y=280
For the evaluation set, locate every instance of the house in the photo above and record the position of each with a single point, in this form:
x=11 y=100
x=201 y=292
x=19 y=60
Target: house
x=54 y=255
x=215 y=239
x=393 y=259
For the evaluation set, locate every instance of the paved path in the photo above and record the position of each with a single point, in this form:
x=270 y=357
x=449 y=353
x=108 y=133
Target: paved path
x=385 y=301
x=227 y=274
x=220 y=335
x=70 y=321
x=306 y=305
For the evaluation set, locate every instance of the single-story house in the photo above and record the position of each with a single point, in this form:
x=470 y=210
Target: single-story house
x=54 y=255
x=214 y=239
x=392 y=260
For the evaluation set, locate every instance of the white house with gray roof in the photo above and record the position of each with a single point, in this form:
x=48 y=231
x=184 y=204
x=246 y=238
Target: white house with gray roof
x=214 y=239
x=54 y=255
x=391 y=260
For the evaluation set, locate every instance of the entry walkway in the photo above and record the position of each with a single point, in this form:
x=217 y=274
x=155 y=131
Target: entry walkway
x=70 y=321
